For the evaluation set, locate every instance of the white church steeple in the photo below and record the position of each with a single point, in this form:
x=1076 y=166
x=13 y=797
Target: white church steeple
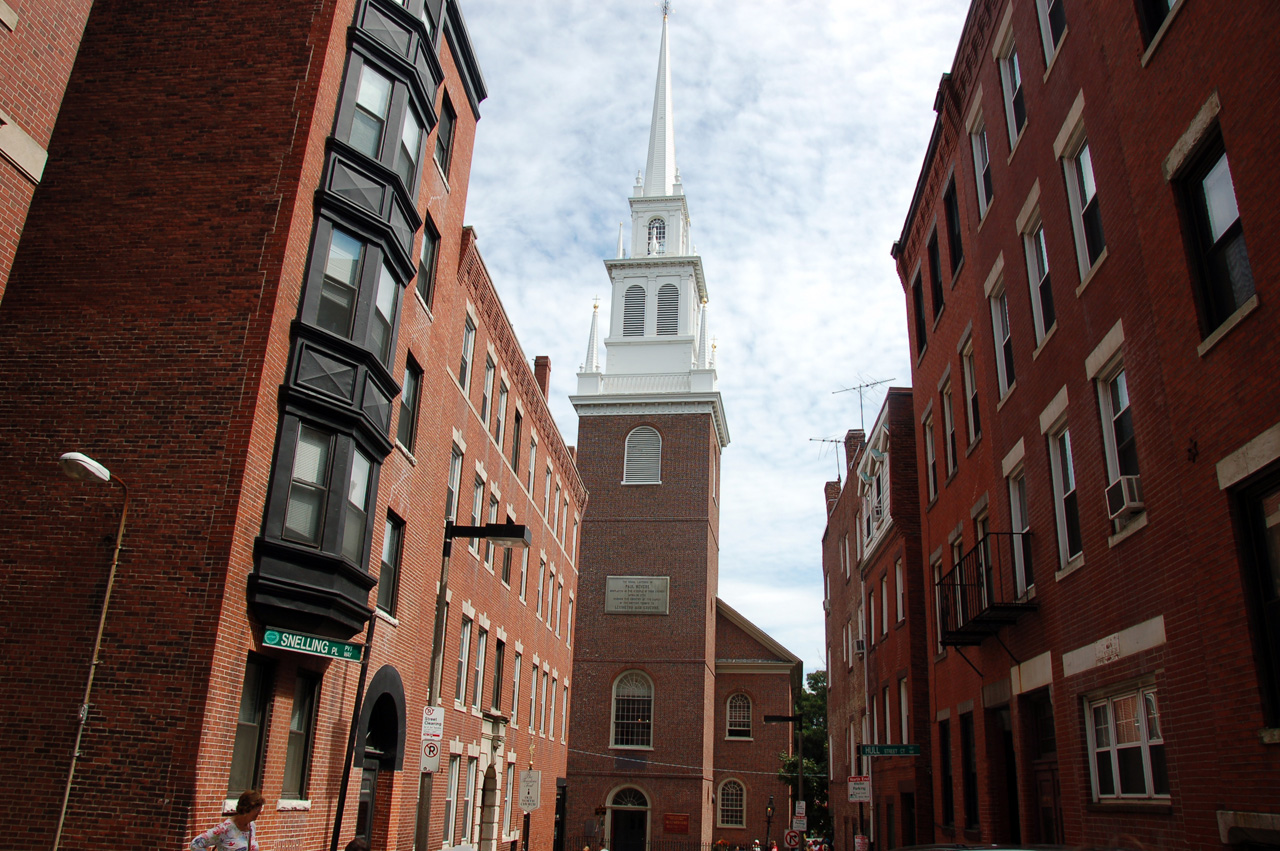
x=656 y=342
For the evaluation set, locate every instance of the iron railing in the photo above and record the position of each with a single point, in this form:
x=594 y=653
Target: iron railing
x=986 y=590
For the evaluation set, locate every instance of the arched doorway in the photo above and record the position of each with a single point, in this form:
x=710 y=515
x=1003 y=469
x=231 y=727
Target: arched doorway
x=379 y=752
x=629 y=820
x=489 y=811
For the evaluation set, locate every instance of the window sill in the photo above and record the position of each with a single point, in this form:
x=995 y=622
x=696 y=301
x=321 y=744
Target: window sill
x=1057 y=51
x=937 y=317
x=445 y=178
x=1073 y=564
x=1228 y=324
x=984 y=215
x=630 y=747
x=940 y=655
x=921 y=354
x=293 y=805
x=1139 y=522
x=638 y=484
x=955 y=273
x=385 y=617
x=950 y=477
x=1013 y=147
x=1159 y=36
x=404 y=450
x=1005 y=397
x=1146 y=808
x=1044 y=341
x=972 y=446
x=1092 y=271
x=426 y=308
x=739 y=739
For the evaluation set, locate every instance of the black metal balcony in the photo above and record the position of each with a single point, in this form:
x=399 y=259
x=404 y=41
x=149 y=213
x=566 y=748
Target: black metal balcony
x=980 y=595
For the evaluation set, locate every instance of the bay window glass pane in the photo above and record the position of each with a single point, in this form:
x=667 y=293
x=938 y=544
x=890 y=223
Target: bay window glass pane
x=305 y=509
x=357 y=497
x=338 y=288
x=372 y=102
x=384 y=314
x=410 y=141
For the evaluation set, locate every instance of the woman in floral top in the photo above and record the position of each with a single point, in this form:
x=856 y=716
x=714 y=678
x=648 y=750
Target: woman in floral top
x=236 y=833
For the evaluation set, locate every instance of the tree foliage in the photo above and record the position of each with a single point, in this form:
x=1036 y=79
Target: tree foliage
x=811 y=705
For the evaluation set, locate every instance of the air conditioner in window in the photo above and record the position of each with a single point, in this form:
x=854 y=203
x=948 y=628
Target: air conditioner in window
x=859 y=646
x=826 y=606
x=1124 y=496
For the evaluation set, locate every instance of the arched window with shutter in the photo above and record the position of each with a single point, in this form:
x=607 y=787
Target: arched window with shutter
x=633 y=311
x=642 y=464
x=657 y=236
x=632 y=711
x=668 y=309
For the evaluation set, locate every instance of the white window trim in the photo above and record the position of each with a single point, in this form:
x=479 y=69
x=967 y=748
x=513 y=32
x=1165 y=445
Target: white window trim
x=1004 y=46
x=1046 y=36
x=1145 y=743
x=720 y=804
x=613 y=711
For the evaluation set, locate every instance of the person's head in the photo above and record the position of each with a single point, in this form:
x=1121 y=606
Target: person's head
x=357 y=844
x=250 y=800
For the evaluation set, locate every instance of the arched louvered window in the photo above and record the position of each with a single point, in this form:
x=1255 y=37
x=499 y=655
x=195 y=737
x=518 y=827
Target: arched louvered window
x=668 y=309
x=732 y=804
x=657 y=236
x=630 y=798
x=632 y=711
x=739 y=717
x=643 y=462
x=633 y=311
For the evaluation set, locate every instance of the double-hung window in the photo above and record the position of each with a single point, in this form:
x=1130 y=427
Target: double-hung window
x=500 y=416
x=468 y=800
x=917 y=305
x=499 y=654
x=444 y=135
x=1066 y=506
x=468 y=349
x=451 y=495
x=517 y=426
x=1003 y=338
x=382 y=123
x=464 y=658
x=389 y=575
x=935 y=276
x=427 y=264
x=1020 y=522
x=981 y=165
x=477 y=681
x=353 y=282
x=901 y=589
x=1053 y=26
x=1011 y=82
x=373 y=105
x=409 y=399
x=488 y=544
x=410 y=151
x=1223 y=272
x=1119 y=445
x=339 y=286
x=930 y=460
x=1126 y=747
x=515 y=690
x=951 y=207
x=450 y=800
x=249 y=749
x=1151 y=15
x=1042 y=312
x=973 y=419
x=949 y=427
x=477 y=507
x=297 y=758
x=320 y=460
x=1082 y=195
x=486 y=395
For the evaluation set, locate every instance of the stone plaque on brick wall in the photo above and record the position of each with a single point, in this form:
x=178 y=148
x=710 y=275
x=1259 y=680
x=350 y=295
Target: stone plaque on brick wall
x=636 y=595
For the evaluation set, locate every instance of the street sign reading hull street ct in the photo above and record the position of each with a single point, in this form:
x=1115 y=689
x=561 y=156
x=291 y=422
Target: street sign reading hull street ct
x=888 y=750
x=300 y=642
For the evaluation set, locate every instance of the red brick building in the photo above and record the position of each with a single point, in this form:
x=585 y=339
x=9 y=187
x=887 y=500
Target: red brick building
x=38 y=44
x=671 y=685
x=1090 y=270
x=877 y=632
x=245 y=287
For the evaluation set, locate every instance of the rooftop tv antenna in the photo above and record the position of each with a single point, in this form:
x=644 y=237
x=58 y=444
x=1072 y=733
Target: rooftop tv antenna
x=866 y=385
x=831 y=440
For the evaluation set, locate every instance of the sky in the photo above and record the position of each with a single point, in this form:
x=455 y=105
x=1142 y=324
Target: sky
x=800 y=128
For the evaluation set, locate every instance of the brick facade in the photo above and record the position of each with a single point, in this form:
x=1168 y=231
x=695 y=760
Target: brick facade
x=1163 y=608
x=152 y=319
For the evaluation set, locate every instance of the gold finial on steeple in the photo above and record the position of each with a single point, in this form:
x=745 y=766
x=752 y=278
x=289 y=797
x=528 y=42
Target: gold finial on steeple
x=666 y=8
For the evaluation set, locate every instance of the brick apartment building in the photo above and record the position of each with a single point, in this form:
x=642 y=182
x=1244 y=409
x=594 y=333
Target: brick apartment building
x=245 y=287
x=671 y=685
x=1090 y=271
x=877 y=620
x=38 y=44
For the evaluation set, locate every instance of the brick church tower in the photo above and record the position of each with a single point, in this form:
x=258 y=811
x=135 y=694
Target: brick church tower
x=646 y=707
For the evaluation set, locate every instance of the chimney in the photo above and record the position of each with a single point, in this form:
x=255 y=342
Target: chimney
x=542 y=373
x=832 y=490
x=854 y=440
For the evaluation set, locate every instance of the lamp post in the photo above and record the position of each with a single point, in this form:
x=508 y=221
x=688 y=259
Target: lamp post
x=82 y=468
x=768 y=823
x=796 y=719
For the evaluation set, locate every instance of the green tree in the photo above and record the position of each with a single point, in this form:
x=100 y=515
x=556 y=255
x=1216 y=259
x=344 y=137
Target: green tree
x=811 y=706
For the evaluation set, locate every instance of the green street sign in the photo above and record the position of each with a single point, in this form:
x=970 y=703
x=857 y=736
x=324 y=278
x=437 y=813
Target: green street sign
x=888 y=750
x=300 y=642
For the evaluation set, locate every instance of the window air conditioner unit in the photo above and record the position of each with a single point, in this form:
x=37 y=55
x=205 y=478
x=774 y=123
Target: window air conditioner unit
x=1124 y=496
x=859 y=646
x=826 y=606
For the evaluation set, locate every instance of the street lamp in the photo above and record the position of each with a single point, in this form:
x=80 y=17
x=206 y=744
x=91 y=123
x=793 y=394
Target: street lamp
x=796 y=719
x=768 y=822
x=82 y=468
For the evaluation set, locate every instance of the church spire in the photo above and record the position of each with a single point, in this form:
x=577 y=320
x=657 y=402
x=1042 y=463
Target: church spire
x=660 y=170
x=592 y=363
x=704 y=358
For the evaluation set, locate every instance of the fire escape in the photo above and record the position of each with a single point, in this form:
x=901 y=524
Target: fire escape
x=980 y=595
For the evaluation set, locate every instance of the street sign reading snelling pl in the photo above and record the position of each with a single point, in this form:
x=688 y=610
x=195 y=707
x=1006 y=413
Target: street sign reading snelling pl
x=300 y=642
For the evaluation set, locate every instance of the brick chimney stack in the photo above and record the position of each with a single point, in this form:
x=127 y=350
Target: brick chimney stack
x=854 y=440
x=542 y=373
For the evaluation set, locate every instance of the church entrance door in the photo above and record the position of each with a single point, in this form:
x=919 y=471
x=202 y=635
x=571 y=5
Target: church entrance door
x=629 y=830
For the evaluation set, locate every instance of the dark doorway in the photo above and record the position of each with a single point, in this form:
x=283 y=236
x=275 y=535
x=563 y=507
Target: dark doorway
x=557 y=838
x=368 y=800
x=1042 y=742
x=908 y=818
x=1004 y=770
x=629 y=830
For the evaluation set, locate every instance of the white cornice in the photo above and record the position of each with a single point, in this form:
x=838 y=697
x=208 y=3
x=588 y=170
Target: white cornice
x=664 y=403
x=658 y=260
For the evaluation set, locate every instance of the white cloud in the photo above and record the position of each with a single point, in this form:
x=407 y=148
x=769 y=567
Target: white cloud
x=800 y=132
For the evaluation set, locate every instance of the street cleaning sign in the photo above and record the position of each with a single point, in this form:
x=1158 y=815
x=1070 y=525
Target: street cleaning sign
x=300 y=642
